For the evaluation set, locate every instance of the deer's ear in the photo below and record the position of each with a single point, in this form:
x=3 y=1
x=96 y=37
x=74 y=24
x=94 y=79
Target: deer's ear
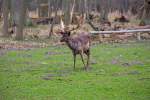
x=69 y=33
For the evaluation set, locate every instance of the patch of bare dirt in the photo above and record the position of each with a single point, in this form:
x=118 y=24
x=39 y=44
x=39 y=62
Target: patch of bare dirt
x=55 y=53
x=126 y=73
x=119 y=61
x=147 y=78
x=60 y=73
x=20 y=45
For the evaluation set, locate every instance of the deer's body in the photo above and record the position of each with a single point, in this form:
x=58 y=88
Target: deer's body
x=79 y=44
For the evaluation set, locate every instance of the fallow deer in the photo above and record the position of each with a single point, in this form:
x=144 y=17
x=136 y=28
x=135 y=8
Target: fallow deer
x=79 y=44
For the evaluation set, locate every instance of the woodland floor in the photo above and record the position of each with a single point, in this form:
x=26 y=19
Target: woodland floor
x=118 y=72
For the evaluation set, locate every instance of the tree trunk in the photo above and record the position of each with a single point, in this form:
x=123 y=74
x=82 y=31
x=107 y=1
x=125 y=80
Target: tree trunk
x=50 y=11
x=21 y=19
x=72 y=11
x=0 y=9
x=49 y=8
x=5 y=16
x=38 y=8
x=67 y=12
x=104 y=12
x=146 y=12
x=86 y=9
x=55 y=18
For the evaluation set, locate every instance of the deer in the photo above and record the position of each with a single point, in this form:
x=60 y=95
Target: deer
x=79 y=44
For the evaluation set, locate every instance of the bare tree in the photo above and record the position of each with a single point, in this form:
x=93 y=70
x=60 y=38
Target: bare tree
x=38 y=8
x=67 y=13
x=21 y=12
x=55 y=10
x=5 y=16
x=146 y=12
x=0 y=9
x=72 y=10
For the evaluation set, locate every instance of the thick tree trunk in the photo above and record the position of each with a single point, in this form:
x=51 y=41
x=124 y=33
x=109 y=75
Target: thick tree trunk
x=67 y=13
x=146 y=12
x=50 y=11
x=5 y=16
x=49 y=8
x=0 y=9
x=104 y=12
x=21 y=19
x=55 y=19
x=38 y=8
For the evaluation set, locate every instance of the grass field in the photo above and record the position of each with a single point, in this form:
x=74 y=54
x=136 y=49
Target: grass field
x=118 y=72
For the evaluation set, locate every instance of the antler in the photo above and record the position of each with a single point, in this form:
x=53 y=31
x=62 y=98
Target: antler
x=62 y=25
x=63 y=28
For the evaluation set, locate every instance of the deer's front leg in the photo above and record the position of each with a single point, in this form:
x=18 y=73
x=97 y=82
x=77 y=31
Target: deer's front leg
x=88 y=57
x=74 y=57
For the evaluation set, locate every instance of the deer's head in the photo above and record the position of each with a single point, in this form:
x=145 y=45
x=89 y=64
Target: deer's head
x=66 y=32
x=65 y=36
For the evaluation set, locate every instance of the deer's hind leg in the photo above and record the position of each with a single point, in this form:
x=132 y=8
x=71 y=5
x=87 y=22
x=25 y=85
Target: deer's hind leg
x=88 y=58
x=81 y=54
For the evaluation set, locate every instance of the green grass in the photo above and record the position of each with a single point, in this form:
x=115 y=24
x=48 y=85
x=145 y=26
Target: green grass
x=118 y=72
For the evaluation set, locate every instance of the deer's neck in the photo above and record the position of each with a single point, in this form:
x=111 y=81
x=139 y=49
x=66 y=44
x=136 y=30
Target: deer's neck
x=71 y=44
